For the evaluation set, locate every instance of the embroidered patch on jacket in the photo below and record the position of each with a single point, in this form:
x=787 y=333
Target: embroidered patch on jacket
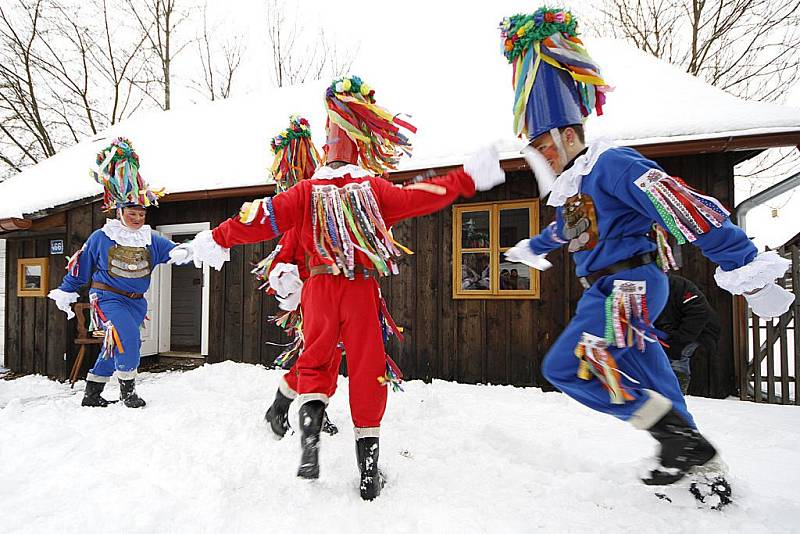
x=129 y=262
x=580 y=222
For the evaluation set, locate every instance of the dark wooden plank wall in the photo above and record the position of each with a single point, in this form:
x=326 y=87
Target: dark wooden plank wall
x=713 y=173
x=35 y=334
x=473 y=341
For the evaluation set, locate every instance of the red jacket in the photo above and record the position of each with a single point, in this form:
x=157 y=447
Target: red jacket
x=291 y=210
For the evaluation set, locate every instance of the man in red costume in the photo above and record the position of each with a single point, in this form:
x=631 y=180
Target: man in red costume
x=342 y=215
x=283 y=272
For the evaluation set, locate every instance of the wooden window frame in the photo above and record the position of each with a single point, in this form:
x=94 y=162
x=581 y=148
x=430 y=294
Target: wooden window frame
x=494 y=250
x=22 y=263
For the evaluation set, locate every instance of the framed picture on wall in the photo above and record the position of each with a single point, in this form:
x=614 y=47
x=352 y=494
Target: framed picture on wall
x=32 y=277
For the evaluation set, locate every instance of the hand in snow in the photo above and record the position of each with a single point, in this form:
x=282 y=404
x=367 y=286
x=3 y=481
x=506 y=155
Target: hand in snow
x=182 y=254
x=522 y=253
x=483 y=167
x=770 y=301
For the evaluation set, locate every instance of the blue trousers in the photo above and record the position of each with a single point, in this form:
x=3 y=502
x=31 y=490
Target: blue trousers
x=651 y=368
x=127 y=315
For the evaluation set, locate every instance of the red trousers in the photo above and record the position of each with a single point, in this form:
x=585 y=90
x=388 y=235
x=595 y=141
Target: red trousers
x=292 y=374
x=336 y=308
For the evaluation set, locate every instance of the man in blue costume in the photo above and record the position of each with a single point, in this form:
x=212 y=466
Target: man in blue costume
x=118 y=260
x=607 y=198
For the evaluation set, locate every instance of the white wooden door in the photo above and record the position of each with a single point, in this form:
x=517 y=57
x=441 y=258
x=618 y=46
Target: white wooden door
x=150 y=328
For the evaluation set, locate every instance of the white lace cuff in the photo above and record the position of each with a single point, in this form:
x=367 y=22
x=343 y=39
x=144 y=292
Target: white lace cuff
x=64 y=301
x=207 y=251
x=764 y=269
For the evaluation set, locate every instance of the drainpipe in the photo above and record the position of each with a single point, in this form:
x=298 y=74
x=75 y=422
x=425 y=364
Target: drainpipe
x=740 y=213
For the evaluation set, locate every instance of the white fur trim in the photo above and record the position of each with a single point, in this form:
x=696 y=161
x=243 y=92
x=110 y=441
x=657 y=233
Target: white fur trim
x=122 y=235
x=569 y=182
x=206 y=250
x=367 y=432
x=308 y=397
x=329 y=173
x=770 y=301
x=651 y=412
x=285 y=390
x=64 y=301
x=97 y=378
x=542 y=171
x=764 y=269
x=126 y=375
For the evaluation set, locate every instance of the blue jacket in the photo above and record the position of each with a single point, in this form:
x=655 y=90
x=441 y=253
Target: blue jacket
x=94 y=261
x=617 y=215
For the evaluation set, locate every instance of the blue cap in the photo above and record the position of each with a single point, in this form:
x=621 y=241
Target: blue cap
x=552 y=103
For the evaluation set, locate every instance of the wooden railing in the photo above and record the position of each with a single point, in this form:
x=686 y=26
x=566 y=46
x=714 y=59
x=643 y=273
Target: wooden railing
x=769 y=370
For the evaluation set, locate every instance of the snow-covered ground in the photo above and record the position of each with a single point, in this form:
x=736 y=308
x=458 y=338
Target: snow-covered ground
x=459 y=458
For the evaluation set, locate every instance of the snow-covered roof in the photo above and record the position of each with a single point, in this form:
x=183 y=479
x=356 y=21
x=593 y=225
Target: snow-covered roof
x=226 y=143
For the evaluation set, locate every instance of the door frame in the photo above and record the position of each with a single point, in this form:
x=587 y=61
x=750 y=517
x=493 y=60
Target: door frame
x=165 y=290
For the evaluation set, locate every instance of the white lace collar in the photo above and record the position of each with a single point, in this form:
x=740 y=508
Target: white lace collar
x=122 y=235
x=569 y=182
x=329 y=173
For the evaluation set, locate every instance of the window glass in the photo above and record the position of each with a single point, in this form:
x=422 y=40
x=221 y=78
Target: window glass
x=475 y=271
x=475 y=229
x=514 y=276
x=514 y=226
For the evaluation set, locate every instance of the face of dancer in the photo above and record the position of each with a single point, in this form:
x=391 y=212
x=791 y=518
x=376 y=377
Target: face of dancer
x=548 y=148
x=133 y=217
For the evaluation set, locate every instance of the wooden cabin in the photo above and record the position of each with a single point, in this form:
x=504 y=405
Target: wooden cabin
x=467 y=315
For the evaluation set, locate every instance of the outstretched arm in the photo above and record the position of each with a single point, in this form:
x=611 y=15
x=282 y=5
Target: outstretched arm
x=692 y=216
x=532 y=252
x=399 y=203
x=481 y=172
x=260 y=220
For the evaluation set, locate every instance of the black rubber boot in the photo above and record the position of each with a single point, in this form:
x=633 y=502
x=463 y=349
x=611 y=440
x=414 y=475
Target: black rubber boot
x=328 y=427
x=682 y=448
x=278 y=415
x=311 y=415
x=91 y=395
x=367 y=450
x=127 y=394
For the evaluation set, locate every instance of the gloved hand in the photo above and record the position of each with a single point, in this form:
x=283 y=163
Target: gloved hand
x=284 y=278
x=206 y=251
x=483 y=167
x=770 y=301
x=290 y=302
x=182 y=254
x=522 y=253
x=64 y=301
